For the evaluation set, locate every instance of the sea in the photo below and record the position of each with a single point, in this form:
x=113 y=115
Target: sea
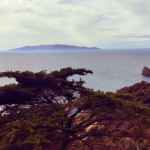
x=112 y=70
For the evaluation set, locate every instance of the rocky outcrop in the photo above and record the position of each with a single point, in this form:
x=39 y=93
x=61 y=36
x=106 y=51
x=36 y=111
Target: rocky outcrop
x=146 y=72
x=139 y=92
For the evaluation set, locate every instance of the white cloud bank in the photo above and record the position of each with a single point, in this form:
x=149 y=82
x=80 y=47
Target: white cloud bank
x=104 y=23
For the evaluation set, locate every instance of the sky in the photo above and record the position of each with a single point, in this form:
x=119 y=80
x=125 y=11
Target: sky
x=102 y=23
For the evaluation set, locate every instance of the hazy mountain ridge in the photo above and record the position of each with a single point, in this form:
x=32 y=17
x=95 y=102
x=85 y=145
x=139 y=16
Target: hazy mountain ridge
x=54 y=47
x=63 y=47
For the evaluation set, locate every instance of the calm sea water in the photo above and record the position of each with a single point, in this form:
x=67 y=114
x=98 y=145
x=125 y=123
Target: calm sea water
x=111 y=70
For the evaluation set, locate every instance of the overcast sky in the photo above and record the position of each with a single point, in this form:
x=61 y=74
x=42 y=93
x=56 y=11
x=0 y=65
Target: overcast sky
x=102 y=23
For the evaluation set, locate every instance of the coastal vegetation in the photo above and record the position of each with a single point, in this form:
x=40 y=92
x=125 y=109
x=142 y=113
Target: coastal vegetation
x=47 y=111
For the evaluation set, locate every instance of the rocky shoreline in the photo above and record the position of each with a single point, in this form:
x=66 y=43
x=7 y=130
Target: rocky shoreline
x=146 y=72
x=46 y=111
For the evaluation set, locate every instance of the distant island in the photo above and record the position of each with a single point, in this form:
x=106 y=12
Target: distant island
x=54 y=47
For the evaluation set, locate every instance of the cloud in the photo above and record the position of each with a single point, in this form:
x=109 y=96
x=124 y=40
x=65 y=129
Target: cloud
x=134 y=36
x=86 y=22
